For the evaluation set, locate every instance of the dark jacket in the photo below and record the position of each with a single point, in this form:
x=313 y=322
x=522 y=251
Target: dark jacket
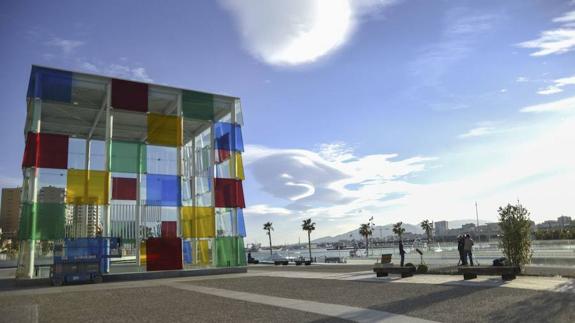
x=401 y=251
x=460 y=244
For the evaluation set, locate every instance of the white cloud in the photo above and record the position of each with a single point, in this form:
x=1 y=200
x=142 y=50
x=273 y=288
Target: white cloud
x=87 y=66
x=558 y=85
x=67 y=46
x=478 y=132
x=555 y=106
x=568 y=17
x=522 y=79
x=264 y=209
x=297 y=31
x=549 y=90
x=138 y=73
x=310 y=183
x=554 y=41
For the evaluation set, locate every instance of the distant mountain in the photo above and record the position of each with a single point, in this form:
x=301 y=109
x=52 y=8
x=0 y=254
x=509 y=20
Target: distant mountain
x=386 y=230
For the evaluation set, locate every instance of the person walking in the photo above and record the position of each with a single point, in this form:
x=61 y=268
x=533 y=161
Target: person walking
x=467 y=247
x=460 y=245
x=401 y=252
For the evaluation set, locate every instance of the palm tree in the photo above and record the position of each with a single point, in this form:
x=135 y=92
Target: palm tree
x=268 y=226
x=365 y=231
x=428 y=228
x=308 y=226
x=397 y=229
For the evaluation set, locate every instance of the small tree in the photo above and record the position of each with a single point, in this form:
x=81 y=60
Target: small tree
x=365 y=231
x=268 y=226
x=428 y=228
x=515 y=239
x=397 y=229
x=308 y=226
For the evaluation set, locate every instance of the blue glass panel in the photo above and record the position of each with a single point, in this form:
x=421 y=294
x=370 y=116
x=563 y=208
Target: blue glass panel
x=50 y=84
x=228 y=136
x=241 y=223
x=163 y=190
x=187 y=251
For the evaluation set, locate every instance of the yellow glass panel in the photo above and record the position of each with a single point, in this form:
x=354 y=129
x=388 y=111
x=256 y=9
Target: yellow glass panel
x=203 y=252
x=164 y=130
x=87 y=187
x=142 y=253
x=198 y=222
x=239 y=166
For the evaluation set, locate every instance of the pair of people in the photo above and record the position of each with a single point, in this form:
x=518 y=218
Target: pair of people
x=465 y=248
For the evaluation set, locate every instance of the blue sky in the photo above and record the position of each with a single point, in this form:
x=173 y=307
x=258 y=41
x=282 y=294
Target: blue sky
x=401 y=110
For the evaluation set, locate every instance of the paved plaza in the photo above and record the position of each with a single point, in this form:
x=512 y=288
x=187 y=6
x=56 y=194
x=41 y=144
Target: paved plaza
x=298 y=294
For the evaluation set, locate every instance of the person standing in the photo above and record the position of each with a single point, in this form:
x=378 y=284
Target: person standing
x=467 y=247
x=460 y=245
x=401 y=252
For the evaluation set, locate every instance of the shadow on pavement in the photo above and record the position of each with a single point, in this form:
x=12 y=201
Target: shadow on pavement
x=548 y=307
x=427 y=300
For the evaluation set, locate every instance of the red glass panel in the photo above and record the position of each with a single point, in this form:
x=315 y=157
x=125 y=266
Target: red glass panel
x=163 y=254
x=169 y=229
x=222 y=155
x=46 y=151
x=129 y=95
x=229 y=193
x=124 y=188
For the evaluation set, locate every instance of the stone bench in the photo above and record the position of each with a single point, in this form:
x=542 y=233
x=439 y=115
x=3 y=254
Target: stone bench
x=281 y=262
x=305 y=262
x=383 y=270
x=506 y=272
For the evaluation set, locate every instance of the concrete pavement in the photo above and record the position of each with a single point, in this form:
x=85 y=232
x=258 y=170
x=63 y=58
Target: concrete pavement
x=301 y=294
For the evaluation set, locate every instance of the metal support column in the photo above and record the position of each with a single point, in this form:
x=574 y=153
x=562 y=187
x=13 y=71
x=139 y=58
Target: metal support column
x=107 y=151
x=138 y=219
x=192 y=158
x=212 y=174
x=233 y=172
x=87 y=153
x=27 y=250
x=180 y=168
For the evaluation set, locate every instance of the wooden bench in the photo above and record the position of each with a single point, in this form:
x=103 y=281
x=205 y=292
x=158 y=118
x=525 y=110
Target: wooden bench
x=506 y=272
x=383 y=270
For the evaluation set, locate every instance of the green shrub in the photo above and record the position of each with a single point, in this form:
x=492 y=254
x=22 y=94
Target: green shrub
x=422 y=269
x=515 y=239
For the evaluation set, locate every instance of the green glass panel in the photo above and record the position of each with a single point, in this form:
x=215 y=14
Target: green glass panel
x=124 y=157
x=224 y=252
x=27 y=219
x=230 y=252
x=197 y=105
x=240 y=252
x=42 y=221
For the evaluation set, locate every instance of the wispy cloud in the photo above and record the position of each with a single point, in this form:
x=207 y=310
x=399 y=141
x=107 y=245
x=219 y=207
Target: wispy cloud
x=558 y=85
x=478 y=132
x=554 y=41
x=522 y=79
x=67 y=46
x=298 y=31
x=567 y=104
x=462 y=28
x=133 y=72
x=488 y=128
